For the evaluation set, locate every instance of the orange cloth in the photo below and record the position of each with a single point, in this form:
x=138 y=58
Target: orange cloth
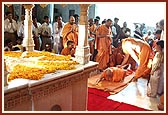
x=66 y=51
x=117 y=57
x=118 y=74
x=112 y=61
x=68 y=34
x=142 y=51
x=132 y=62
x=161 y=104
x=162 y=99
x=103 y=46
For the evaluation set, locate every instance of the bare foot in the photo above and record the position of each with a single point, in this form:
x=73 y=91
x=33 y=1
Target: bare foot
x=160 y=107
x=150 y=95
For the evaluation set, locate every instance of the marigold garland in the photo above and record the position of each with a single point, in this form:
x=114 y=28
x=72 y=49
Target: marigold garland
x=49 y=63
x=22 y=71
x=56 y=58
x=66 y=65
x=12 y=54
x=37 y=54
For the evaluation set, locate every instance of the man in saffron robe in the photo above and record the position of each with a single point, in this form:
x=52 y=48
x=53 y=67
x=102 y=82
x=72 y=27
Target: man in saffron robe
x=69 y=50
x=70 y=32
x=115 y=74
x=104 y=40
x=140 y=51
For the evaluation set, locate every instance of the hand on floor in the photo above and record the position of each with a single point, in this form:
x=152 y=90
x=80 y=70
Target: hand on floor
x=134 y=79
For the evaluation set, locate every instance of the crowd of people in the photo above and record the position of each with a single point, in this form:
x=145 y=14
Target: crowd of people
x=145 y=54
x=110 y=45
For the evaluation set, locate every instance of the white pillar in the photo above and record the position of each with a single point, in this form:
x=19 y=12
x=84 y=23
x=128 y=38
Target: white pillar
x=82 y=54
x=28 y=41
x=5 y=74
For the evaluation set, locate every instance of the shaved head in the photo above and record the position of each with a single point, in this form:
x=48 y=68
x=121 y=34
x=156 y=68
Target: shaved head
x=71 y=20
x=109 y=74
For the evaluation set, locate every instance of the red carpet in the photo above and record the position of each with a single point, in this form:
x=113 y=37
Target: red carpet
x=128 y=107
x=97 y=101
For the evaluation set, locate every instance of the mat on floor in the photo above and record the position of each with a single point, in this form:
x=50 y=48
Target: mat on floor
x=112 y=87
x=97 y=101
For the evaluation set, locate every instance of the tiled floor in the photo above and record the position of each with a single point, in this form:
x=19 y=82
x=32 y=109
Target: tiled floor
x=135 y=94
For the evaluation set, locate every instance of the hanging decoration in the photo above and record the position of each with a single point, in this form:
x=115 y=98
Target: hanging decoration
x=63 y=5
x=43 y=5
x=8 y=5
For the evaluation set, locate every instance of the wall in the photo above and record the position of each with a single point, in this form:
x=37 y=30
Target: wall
x=64 y=11
x=49 y=10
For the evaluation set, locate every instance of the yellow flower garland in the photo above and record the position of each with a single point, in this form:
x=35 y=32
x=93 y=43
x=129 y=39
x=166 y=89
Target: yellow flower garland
x=12 y=54
x=49 y=63
x=22 y=71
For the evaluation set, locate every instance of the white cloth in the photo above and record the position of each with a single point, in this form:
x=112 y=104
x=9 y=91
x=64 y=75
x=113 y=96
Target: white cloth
x=56 y=35
x=10 y=27
x=55 y=28
x=35 y=30
x=46 y=29
x=162 y=35
x=114 y=31
x=20 y=30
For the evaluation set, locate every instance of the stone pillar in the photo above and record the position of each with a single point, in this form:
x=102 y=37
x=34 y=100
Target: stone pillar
x=28 y=41
x=82 y=54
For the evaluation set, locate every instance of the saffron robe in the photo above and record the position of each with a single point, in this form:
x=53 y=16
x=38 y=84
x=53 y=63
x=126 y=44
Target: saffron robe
x=118 y=74
x=117 y=57
x=103 y=46
x=67 y=51
x=68 y=34
x=140 y=52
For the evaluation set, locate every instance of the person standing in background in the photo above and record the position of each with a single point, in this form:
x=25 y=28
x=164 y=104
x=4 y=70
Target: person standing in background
x=46 y=32
x=20 y=28
x=57 y=28
x=118 y=30
x=161 y=24
x=70 y=32
x=35 y=29
x=104 y=40
x=10 y=28
x=156 y=74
